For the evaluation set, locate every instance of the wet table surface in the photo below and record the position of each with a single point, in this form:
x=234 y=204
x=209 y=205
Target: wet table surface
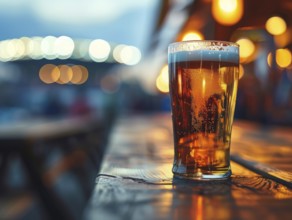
x=136 y=181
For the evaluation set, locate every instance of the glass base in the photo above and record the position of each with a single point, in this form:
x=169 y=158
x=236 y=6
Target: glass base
x=204 y=176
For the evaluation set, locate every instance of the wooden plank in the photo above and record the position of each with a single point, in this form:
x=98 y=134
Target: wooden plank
x=277 y=175
x=268 y=145
x=136 y=182
x=265 y=150
x=242 y=197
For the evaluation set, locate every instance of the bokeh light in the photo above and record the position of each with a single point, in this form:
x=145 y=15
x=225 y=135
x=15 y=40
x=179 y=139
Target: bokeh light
x=276 y=25
x=4 y=56
x=34 y=48
x=162 y=81
x=99 y=50
x=270 y=59
x=241 y=71
x=193 y=35
x=117 y=52
x=77 y=74
x=49 y=73
x=63 y=74
x=130 y=55
x=26 y=41
x=246 y=49
x=17 y=48
x=227 y=12
x=64 y=47
x=11 y=50
x=66 y=74
x=48 y=47
x=283 y=57
x=80 y=74
x=227 y=5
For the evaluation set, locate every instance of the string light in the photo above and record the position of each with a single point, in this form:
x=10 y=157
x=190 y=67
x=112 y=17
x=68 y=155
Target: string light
x=64 y=47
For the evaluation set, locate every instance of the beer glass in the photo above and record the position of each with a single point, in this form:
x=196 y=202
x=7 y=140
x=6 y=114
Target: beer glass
x=203 y=79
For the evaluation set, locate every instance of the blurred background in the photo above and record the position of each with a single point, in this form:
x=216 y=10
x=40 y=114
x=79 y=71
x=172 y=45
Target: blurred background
x=107 y=58
x=55 y=54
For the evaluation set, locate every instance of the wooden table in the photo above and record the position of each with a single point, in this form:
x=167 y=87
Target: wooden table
x=21 y=139
x=136 y=182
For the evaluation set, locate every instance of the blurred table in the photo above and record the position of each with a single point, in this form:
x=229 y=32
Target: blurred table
x=21 y=139
x=136 y=182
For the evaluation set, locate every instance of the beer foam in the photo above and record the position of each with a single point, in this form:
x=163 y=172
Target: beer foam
x=203 y=50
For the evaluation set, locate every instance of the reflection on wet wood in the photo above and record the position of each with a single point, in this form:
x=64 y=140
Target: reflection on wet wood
x=136 y=180
x=239 y=198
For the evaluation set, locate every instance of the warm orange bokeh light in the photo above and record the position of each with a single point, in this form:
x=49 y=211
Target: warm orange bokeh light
x=246 y=49
x=49 y=73
x=241 y=71
x=269 y=59
x=276 y=25
x=193 y=35
x=227 y=12
x=66 y=74
x=162 y=81
x=63 y=74
x=283 y=57
x=84 y=75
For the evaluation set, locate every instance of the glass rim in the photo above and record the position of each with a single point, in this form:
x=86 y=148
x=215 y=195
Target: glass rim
x=200 y=45
x=207 y=49
x=224 y=43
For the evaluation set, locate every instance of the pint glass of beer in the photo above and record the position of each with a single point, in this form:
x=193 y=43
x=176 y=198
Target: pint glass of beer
x=203 y=79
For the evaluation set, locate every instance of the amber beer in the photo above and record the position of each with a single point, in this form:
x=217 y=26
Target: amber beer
x=203 y=85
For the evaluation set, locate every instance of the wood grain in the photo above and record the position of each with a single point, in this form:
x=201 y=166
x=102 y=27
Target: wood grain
x=268 y=145
x=136 y=182
x=240 y=198
x=277 y=175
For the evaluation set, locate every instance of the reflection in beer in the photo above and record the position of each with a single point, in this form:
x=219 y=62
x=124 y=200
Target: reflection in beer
x=179 y=83
x=203 y=86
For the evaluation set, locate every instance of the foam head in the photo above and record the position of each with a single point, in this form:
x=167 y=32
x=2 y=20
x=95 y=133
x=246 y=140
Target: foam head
x=203 y=50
